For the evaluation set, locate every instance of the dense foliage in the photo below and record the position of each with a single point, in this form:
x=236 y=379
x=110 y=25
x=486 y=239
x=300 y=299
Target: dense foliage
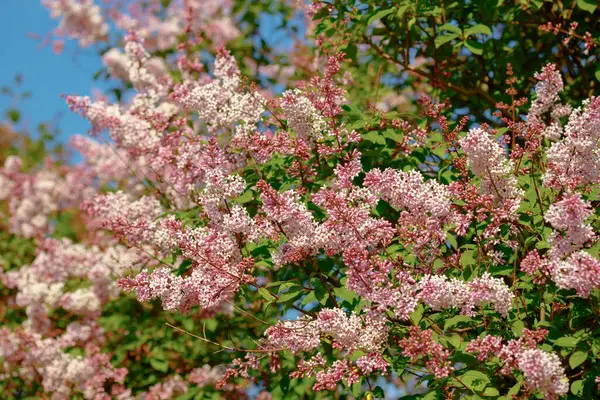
x=325 y=200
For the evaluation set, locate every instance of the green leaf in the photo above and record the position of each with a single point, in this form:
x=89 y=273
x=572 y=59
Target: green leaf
x=291 y=294
x=351 y=52
x=474 y=47
x=491 y=392
x=577 y=387
x=451 y=28
x=517 y=327
x=587 y=5
x=417 y=315
x=402 y=10
x=266 y=294
x=374 y=137
x=322 y=294
x=159 y=365
x=283 y=286
x=378 y=392
x=515 y=389
x=468 y=258
x=542 y=245
x=566 y=341
x=454 y=340
x=443 y=39
x=450 y=322
x=345 y=294
x=309 y=298
x=13 y=115
x=356 y=389
x=188 y=324
x=537 y=3
x=479 y=28
x=597 y=73
x=475 y=380
x=244 y=197
x=381 y=14
x=451 y=240
x=284 y=384
x=577 y=359
x=501 y=270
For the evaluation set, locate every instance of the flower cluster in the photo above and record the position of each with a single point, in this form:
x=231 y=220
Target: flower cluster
x=438 y=292
x=80 y=19
x=34 y=199
x=220 y=101
x=420 y=343
x=542 y=370
x=41 y=286
x=572 y=161
x=425 y=207
x=63 y=374
x=487 y=159
x=348 y=333
x=302 y=116
x=568 y=217
x=547 y=89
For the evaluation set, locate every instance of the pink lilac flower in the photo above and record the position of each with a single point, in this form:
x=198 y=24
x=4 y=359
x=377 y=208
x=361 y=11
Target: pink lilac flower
x=220 y=101
x=368 y=277
x=304 y=237
x=349 y=332
x=549 y=85
x=41 y=285
x=424 y=205
x=217 y=271
x=486 y=347
x=171 y=387
x=349 y=223
x=297 y=336
x=302 y=116
x=81 y=301
x=489 y=289
x=126 y=128
x=568 y=217
x=328 y=378
x=143 y=71
x=487 y=159
x=80 y=19
x=61 y=374
x=438 y=292
x=420 y=343
x=573 y=160
x=107 y=163
x=309 y=367
x=543 y=372
x=372 y=362
x=535 y=266
x=569 y=213
x=125 y=216
x=580 y=271
x=35 y=197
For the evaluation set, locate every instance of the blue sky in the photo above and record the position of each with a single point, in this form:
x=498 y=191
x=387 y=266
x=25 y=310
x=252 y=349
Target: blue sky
x=45 y=74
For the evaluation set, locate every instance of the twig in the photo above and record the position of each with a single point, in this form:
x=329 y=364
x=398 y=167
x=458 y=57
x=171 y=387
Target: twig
x=223 y=347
